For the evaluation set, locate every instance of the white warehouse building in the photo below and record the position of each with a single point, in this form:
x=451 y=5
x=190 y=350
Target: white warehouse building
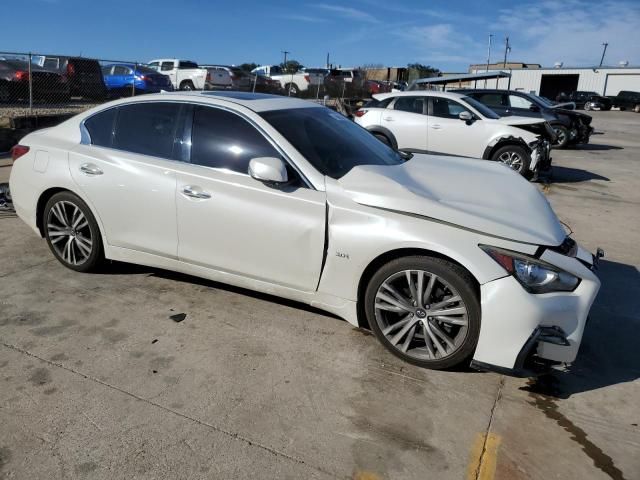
x=549 y=82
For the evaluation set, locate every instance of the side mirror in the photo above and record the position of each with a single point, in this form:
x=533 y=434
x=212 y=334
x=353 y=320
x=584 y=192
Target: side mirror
x=268 y=170
x=465 y=116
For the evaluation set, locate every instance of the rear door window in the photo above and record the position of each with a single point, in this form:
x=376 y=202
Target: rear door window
x=165 y=66
x=409 y=104
x=224 y=140
x=100 y=127
x=147 y=128
x=187 y=65
x=491 y=99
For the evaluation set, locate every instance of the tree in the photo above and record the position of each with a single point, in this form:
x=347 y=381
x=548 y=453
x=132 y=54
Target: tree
x=292 y=66
x=247 y=67
x=424 y=71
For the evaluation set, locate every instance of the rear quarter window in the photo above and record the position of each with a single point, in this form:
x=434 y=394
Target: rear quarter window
x=100 y=127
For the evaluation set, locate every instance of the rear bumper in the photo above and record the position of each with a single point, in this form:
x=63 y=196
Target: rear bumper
x=522 y=332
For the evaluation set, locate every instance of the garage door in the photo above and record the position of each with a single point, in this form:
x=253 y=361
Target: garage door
x=621 y=81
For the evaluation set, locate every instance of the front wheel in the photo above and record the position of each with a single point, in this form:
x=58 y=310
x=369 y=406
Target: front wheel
x=513 y=156
x=562 y=134
x=637 y=108
x=72 y=232
x=424 y=310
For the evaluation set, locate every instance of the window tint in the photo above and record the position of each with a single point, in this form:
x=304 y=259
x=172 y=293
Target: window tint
x=120 y=70
x=446 y=108
x=490 y=99
x=519 y=102
x=166 y=66
x=409 y=104
x=222 y=139
x=100 y=127
x=147 y=128
x=52 y=63
x=373 y=103
x=187 y=65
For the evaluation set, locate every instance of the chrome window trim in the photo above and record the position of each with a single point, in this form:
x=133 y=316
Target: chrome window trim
x=86 y=137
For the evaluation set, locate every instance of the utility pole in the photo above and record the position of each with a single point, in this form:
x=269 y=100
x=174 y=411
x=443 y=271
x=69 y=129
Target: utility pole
x=327 y=65
x=488 y=58
x=285 y=57
x=507 y=49
x=603 y=52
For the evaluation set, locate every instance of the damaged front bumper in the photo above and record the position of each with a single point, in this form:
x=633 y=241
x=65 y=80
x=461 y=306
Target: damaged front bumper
x=524 y=334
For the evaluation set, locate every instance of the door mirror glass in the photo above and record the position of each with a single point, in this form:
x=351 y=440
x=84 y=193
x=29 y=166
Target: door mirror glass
x=465 y=116
x=268 y=170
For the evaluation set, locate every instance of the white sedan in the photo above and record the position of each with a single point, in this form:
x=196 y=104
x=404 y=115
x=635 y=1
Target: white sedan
x=446 y=259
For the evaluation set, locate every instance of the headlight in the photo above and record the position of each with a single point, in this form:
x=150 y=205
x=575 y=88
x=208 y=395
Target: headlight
x=533 y=274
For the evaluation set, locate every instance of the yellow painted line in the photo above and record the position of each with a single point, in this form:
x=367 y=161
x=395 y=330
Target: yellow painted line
x=484 y=457
x=363 y=475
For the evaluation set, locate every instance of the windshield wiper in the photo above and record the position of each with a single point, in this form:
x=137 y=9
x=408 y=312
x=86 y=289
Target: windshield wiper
x=405 y=155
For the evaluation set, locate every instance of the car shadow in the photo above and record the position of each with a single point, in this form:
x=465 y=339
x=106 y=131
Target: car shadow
x=597 y=147
x=573 y=175
x=609 y=351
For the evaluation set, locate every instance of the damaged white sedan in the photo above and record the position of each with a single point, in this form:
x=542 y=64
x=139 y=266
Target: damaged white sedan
x=448 y=260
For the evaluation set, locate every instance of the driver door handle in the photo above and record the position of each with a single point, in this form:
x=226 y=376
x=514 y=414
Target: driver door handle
x=195 y=192
x=90 y=169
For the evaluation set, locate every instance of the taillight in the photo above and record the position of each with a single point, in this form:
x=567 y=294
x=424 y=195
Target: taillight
x=208 y=77
x=70 y=69
x=21 y=75
x=306 y=77
x=17 y=151
x=360 y=113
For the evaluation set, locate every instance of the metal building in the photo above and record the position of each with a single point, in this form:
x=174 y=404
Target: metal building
x=549 y=82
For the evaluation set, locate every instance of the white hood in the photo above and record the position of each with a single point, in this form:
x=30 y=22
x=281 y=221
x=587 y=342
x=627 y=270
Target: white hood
x=475 y=194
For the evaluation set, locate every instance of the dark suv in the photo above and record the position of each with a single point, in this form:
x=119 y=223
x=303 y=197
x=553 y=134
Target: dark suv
x=571 y=127
x=627 y=99
x=586 y=100
x=84 y=75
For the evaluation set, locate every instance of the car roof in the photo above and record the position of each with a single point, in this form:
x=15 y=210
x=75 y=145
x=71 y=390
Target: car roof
x=258 y=102
x=418 y=93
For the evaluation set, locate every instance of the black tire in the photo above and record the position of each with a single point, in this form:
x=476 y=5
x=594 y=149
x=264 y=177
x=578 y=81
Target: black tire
x=81 y=234
x=520 y=165
x=637 y=108
x=563 y=136
x=291 y=89
x=187 y=85
x=383 y=138
x=447 y=272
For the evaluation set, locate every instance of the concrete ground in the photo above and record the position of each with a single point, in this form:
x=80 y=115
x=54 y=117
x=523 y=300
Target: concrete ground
x=98 y=381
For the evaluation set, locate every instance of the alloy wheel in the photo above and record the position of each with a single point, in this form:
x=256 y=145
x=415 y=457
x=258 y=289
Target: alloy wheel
x=69 y=232
x=512 y=160
x=421 y=315
x=561 y=136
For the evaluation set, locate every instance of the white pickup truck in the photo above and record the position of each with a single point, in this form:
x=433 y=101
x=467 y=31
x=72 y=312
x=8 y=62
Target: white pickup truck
x=292 y=83
x=184 y=74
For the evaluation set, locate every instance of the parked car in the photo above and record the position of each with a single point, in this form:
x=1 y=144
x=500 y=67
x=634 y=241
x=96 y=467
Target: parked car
x=571 y=127
x=293 y=84
x=46 y=85
x=627 y=100
x=84 y=75
x=121 y=79
x=586 y=100
x=453 y=124
x=372 y=87
x=184 y=74
x=226 y=78
x=444 y=258
x=262 y=84
x=344 y=80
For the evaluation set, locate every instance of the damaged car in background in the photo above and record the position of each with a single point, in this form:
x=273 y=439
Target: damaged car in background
x=571 y=127
x=454 y=124
x=448 y=260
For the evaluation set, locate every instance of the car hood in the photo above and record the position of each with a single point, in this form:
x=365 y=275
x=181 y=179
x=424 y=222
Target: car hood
x=473 y=194
x=517 y=121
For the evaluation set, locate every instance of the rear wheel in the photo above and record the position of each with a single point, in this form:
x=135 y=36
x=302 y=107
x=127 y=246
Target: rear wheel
x=291 y=89
x=424 y=310
x=187 y=85
x=72 y=232
x=383 y=138
x=562 y=134
x=515 y=157
x=637 y=108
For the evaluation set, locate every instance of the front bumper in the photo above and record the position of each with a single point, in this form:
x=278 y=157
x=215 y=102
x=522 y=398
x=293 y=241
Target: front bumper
x=541 y=157
x=521 y=331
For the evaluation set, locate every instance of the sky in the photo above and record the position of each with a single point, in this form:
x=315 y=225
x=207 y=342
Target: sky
x=448 y=35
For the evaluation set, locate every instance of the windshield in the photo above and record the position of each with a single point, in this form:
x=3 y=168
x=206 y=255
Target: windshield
x=483 y=109
x=331 y=142
x=543 y=100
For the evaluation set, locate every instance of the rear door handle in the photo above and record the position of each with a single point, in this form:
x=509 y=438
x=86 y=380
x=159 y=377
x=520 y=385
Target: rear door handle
x=388 y=119
x=90 y=169
x=436 y=126
x=195 y=192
